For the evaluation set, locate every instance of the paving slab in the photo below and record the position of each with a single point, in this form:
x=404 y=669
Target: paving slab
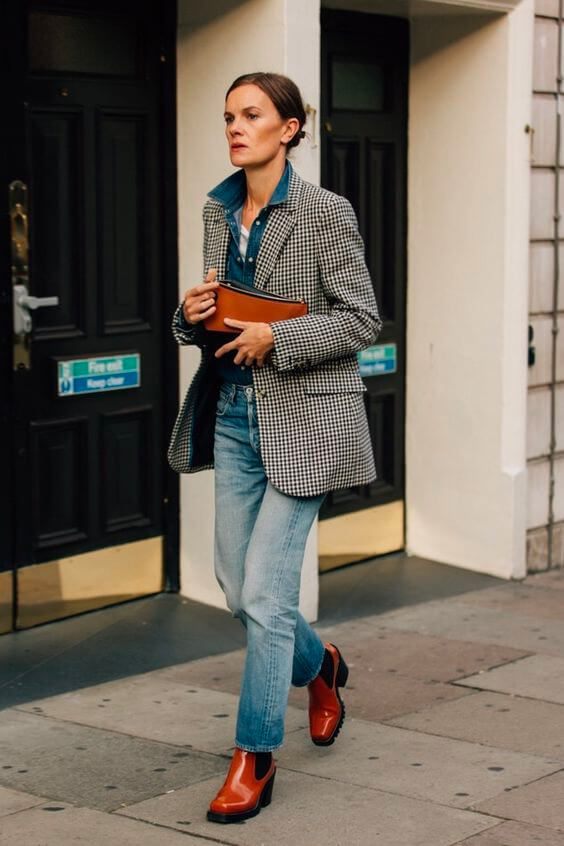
x=223 y=672
x=537 y=676
x=90 y=766
x=495 y=719
x=515 y=834
x=216 y=672
x=299 y=814
x=421 y=656
x=394 y=672
x=540 y=803
x=58 y=824
x=379 y=696
x=455 y=619
x=124 y=640
x=522 y=599
x=424 y=766
x=15 y=800
x=370 y=694
x=391 y=581
x=151 y=706
x=549 y=578
x=424 y=657
x=51 y=643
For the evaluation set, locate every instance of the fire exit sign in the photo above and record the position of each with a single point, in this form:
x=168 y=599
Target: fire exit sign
x=92 y=375
x=381 y=358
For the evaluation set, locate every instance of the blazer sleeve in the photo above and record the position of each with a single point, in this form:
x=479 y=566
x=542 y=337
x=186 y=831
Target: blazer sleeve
x=184 y=332
x=353 y=321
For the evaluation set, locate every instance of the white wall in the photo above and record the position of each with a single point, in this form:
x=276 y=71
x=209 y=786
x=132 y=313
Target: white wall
x=468 y=226
x=218 y=41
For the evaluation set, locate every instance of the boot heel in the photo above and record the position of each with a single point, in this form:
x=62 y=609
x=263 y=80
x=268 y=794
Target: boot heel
x=267 y=791
x=342 y=673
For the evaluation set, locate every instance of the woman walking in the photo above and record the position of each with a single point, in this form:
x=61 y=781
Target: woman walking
x=278 y=410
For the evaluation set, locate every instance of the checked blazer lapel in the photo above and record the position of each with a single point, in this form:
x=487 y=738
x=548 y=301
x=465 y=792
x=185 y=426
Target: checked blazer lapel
x=278 y=227
x=281 y=220
x=219 y=235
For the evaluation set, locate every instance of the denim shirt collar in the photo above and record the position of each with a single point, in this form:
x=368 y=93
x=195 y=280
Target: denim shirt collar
x=231 y=192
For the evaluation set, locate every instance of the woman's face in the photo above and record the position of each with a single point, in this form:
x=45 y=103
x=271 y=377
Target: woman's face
x=256 y=133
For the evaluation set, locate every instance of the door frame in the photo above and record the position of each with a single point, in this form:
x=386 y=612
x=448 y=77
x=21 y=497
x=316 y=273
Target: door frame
x=13 y=166
x=12 y=51
x=169 y=240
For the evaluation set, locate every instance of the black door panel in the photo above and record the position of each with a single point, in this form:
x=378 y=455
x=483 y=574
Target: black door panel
x=92 y=466
x=365 y=61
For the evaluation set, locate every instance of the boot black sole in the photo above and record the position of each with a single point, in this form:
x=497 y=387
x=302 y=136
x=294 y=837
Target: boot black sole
x=264 y=800
x=340 y=681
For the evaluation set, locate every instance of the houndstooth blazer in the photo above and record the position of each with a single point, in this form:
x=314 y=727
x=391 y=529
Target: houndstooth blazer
x=311 y=414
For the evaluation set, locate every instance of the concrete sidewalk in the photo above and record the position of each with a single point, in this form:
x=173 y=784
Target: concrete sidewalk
x=454 y=734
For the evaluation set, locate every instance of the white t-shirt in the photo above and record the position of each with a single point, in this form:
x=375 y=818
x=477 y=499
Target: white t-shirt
x=243 y=240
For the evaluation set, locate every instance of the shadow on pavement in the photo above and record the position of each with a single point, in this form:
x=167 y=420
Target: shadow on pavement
x=167 y=629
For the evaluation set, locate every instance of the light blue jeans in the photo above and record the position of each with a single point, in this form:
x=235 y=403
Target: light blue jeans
x=260 y=536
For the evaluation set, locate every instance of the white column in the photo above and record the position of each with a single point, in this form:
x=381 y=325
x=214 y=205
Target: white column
x=468 y=229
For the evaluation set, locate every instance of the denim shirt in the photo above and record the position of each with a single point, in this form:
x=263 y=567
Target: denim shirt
x=231 y=193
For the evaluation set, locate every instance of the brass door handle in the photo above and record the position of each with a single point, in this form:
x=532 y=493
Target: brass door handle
x=23 y=301
x=19 y=231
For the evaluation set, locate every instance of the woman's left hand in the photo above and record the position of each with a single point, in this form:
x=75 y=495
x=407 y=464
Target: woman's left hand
x=252 y=344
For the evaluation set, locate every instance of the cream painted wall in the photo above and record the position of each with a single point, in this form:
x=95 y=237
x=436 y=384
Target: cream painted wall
x=468 y=227
x=218 y=41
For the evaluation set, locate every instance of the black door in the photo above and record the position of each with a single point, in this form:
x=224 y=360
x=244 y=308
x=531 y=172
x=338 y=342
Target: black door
x=364 y=76
x=91 y=381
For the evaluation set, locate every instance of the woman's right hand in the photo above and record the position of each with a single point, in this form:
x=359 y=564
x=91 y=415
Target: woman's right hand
x=198 y=302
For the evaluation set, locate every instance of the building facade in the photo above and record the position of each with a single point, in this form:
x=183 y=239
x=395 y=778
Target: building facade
x=438 y=120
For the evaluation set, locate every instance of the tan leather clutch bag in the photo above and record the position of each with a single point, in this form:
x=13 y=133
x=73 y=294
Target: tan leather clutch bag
x=244 y=303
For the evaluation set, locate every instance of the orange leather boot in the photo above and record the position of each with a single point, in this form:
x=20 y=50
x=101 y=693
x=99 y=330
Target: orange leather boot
x=326 y=708
x=242 y=794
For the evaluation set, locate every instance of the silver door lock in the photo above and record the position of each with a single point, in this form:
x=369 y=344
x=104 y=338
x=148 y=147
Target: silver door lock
x=23 y=302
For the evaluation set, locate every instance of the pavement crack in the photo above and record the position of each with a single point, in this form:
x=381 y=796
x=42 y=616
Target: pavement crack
x=95 y=728
x=468 y=839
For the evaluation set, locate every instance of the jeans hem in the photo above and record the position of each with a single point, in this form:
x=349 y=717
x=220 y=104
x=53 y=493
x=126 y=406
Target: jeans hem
x=315 y=674
x=257 y=748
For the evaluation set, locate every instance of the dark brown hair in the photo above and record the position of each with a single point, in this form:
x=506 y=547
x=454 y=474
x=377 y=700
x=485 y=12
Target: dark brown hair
x=283 y=92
